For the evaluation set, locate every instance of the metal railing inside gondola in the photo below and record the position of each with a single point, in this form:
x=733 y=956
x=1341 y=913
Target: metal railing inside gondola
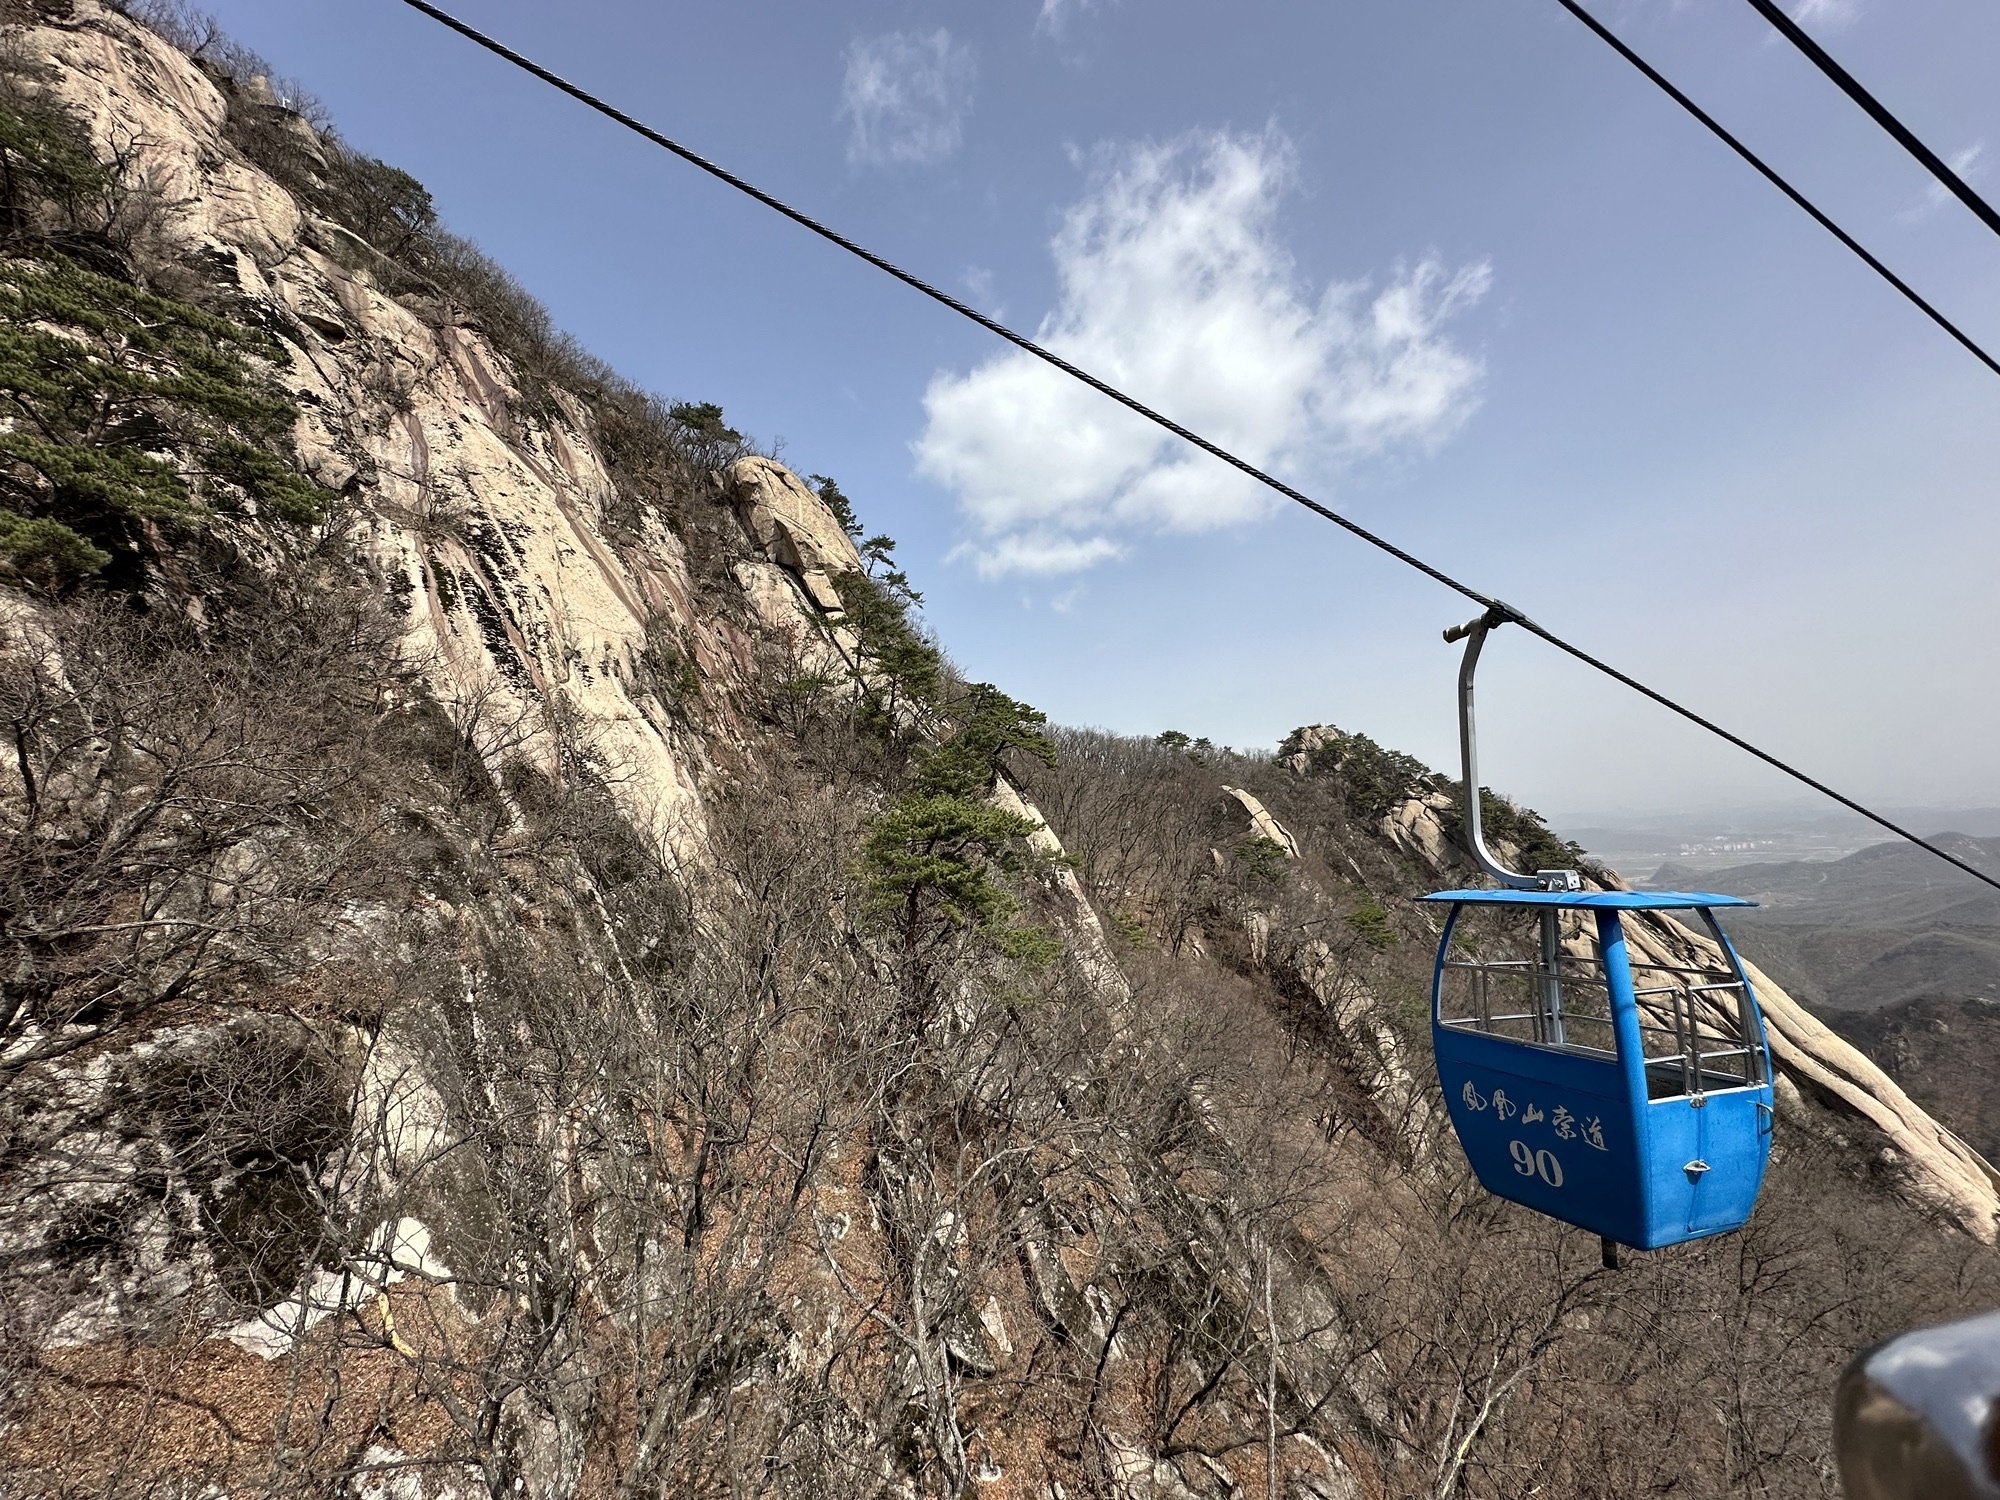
x=1691 y=1019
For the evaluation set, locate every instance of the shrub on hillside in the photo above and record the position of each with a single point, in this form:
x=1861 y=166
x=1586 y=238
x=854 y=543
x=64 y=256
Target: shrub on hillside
x=126 y=409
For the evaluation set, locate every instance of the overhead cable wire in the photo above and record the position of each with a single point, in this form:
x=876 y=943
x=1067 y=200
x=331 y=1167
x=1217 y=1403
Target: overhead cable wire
x=1957 y=186
x=1501 y=612
x=1770 y=174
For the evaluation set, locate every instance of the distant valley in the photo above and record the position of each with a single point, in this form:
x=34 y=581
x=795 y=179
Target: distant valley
x=1718 y=839
x=1895 y=950
x=1886 y=924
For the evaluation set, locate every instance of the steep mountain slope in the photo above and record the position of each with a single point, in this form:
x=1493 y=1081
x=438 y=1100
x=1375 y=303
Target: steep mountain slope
x=1945 y=1053
x=527 y=973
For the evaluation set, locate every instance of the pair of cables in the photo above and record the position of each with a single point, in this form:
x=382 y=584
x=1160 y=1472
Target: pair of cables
x=1903 y=136
x=1900 y=133
x=1502 y=612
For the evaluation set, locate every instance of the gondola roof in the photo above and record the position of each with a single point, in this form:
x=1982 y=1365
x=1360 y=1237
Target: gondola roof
x=1617 y=900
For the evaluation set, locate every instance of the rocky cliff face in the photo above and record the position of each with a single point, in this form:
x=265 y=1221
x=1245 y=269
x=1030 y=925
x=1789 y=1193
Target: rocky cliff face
x=540 y=981
x=531 y=580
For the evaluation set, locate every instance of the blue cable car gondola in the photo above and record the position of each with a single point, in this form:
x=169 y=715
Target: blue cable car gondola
x=1599 y=1067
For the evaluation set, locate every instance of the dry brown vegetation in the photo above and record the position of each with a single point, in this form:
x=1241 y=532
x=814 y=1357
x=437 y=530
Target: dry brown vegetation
x=706 y=1214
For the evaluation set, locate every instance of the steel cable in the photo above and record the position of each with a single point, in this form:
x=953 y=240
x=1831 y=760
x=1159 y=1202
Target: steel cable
x=1820 y=58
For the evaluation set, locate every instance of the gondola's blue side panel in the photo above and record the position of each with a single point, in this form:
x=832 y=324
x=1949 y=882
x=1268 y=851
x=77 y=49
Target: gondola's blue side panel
x=1577 y=1138
x=1551 y=1130
x=1730 y=1133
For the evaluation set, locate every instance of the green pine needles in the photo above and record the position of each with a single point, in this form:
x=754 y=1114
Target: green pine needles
x=47 y=169
x=938 y=863
x=125 y=414
x=125 y=408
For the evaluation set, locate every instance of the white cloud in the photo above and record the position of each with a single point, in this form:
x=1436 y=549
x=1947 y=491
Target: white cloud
x=1040 y=550
x=1055 y=14
x=1936 y=195
x=1176 y=288
x=905 y=97
x=1825 y=12
x=978 y=283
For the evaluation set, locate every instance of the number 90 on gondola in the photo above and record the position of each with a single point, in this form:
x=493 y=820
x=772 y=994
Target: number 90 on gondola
x=1614 y=1079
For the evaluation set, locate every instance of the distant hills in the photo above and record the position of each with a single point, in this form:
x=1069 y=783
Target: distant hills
x=1887 y=924
x=1897 y=951
x=1717 y=839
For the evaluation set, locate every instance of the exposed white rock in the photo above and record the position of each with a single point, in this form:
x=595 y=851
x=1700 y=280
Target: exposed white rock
x=789 y=520
x=395 y=1251
x=1138 y=1474
x=491 y=521
x=994 y=1322
x=404 y=1116
x=773 y=596
x=822 y=592
x=1263 y=824
x=1257 y=927
x=1087 y=942
x=1417 y=826
x=1312 y=737
x=386 y=1472
x=1358 y=1020
x=136 y=92
x=1939 y=1167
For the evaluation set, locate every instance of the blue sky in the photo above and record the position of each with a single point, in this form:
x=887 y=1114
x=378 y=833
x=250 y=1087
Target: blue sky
x=1449 y=265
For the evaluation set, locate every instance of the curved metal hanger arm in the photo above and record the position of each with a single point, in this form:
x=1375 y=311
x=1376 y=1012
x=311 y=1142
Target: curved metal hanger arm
x=1473 y=633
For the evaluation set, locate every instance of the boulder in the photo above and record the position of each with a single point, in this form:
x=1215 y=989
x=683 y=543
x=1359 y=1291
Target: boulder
x=1263 y=824
x=789 y=521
